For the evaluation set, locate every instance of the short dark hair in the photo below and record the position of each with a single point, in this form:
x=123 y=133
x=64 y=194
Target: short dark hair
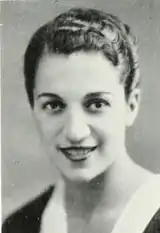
x=83 y=29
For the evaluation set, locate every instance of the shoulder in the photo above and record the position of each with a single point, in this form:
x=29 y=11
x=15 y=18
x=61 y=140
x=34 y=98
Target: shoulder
x=150 y=202
x=154 y=224
x=28 y=217
x=142 y=213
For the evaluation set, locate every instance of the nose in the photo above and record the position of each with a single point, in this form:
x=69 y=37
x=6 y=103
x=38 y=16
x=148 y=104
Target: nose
x=76 y=128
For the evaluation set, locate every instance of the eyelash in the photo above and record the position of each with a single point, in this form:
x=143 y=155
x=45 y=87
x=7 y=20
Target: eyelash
x=87 y=106
x=56 y=104
x=94 y=102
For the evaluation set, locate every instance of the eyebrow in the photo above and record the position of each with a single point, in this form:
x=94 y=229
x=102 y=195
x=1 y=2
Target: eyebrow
x=87 y=96
x=50 y=95
x=97 y=94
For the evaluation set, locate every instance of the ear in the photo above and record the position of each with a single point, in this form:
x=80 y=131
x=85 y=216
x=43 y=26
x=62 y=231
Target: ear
x=133 y=106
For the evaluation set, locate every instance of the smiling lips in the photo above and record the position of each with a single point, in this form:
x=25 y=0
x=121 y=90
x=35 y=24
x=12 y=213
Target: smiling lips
x=77 y=153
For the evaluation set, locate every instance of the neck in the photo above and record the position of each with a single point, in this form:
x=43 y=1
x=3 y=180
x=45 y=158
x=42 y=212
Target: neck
x=84 y=197
x=108 y=191
x=103 y=192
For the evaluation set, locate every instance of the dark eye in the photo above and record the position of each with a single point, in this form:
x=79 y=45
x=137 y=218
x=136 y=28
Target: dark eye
x=55 y=106
x=96 y=105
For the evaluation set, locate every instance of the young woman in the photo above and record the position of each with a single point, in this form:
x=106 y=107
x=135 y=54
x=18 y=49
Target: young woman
x=82 y=80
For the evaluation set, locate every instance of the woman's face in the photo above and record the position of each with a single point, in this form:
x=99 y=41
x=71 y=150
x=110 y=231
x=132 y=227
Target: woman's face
x=81 y=113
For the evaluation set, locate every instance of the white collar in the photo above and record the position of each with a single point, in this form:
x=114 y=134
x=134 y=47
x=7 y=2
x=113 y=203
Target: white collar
x=51 y=223
x=134 y=219
x=141 y=208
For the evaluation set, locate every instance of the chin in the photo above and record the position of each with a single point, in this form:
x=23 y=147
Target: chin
x=86 y=170
x=82 y=175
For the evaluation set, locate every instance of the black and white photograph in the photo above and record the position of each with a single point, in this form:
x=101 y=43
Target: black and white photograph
x=80 y=107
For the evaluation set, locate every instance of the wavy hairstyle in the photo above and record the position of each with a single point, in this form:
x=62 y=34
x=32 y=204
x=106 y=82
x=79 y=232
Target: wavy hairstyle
x=82 y=29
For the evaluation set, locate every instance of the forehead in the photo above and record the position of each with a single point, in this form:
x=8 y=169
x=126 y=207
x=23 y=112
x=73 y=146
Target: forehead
x=83 y=71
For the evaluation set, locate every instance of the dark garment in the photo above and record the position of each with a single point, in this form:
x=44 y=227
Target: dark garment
x=154 y=224
x=28 y=218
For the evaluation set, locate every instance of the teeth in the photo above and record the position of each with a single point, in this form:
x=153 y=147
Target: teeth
x=77 y=155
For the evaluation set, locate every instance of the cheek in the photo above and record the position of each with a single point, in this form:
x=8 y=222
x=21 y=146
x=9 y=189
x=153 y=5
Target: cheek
x=110 y=128
x=118 y=118
x=48 y=127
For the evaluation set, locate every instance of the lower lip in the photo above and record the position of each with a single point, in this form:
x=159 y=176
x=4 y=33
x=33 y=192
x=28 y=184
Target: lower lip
x=78 y=158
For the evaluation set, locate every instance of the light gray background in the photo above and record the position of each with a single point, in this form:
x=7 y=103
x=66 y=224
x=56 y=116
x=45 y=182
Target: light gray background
x=25 y=167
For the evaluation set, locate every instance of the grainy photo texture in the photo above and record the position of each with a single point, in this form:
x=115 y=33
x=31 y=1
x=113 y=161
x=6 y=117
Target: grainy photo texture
x=80 y=116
